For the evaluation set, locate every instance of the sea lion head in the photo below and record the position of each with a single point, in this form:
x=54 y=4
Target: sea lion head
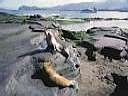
x=47 y=64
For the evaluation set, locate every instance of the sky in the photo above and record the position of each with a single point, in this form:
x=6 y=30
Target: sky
x=15 y=4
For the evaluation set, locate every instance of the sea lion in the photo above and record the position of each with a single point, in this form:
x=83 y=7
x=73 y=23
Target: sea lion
x=57 y=78
x=51 y=40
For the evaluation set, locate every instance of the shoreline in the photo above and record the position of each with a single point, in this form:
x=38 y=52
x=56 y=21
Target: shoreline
x=96 y=23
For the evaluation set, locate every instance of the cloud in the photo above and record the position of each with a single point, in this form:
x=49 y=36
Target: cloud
x=1 y=1
x=10 y=4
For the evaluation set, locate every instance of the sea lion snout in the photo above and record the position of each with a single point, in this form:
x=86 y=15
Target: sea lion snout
x=74 y=85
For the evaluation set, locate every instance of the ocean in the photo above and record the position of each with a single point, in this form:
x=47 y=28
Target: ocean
x=79 y=14
x=76 y=14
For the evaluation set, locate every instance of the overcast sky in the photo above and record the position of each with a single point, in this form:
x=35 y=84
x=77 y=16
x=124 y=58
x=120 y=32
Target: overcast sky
x=14 y=4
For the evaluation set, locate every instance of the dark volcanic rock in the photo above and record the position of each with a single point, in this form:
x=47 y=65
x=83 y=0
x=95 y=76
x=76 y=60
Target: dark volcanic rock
x=73 y=35
x=87 y=44
x=122 y=85
x=100 y=31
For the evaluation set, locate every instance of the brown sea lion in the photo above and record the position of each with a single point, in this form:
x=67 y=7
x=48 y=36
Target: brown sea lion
x=57 y=78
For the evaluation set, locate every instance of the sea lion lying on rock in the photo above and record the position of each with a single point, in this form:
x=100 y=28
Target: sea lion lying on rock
x=57 y=78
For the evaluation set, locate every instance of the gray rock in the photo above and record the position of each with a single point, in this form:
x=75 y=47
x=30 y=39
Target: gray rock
x=27 y=78
x=22 y=84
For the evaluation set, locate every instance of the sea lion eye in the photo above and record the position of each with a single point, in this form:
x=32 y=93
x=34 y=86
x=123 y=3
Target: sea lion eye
x=77 y=65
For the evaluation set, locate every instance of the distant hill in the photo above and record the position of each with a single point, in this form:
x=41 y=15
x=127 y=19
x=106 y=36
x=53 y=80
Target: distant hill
x=8 y=11
x=109 y=5
x=30 y=8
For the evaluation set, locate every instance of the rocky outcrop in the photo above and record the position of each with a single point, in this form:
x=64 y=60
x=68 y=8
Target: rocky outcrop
x=110 y=42
x=110 y=53
x=94 y=78
x=112 y=47
x=122 y=85
x=100 y=31
x=27 y=78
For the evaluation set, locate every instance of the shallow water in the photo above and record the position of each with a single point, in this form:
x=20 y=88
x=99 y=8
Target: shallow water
x=102 y=23
x=76 y=14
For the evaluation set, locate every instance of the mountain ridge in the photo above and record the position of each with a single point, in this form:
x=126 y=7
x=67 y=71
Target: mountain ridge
x=83 y=5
